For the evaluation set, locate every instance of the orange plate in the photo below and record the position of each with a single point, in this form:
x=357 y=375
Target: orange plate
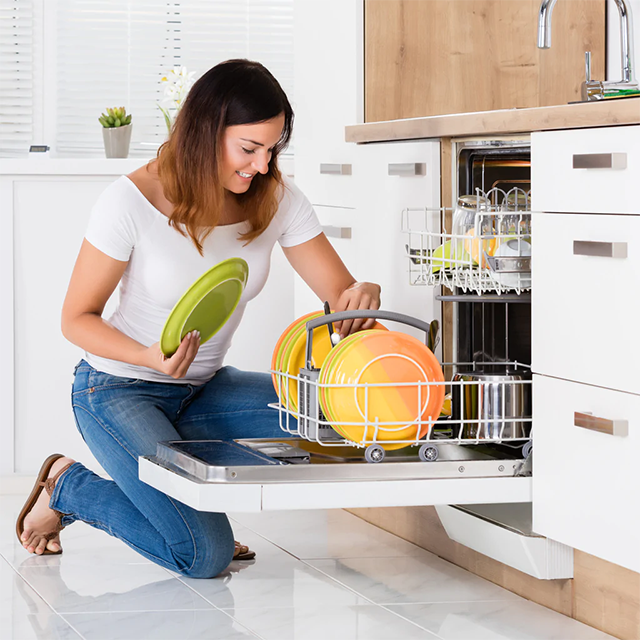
x=375 y=358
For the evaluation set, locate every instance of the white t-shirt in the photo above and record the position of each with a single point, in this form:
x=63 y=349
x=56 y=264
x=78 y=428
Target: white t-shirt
x=163 y=264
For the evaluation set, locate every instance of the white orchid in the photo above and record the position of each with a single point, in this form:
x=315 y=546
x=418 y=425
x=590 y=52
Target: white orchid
x=176 y=86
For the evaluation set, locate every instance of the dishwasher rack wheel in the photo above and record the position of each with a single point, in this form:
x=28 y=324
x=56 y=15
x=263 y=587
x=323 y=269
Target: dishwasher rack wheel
x=428 y=453
x=526 y=450
x=374 y=453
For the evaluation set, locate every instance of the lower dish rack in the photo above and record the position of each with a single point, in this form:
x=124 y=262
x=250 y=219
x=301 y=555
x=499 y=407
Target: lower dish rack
x=485 y=403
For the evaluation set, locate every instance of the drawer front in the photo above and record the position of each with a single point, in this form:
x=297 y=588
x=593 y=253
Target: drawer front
x=586 y=487
x=605 y=177
x=585 y=306
x=327 y=175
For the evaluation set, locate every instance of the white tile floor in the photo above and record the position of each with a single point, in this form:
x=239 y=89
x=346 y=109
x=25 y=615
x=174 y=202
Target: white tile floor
x=323 y=575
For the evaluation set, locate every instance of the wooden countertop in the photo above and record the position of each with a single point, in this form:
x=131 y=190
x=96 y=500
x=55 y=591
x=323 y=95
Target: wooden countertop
x=602 y=113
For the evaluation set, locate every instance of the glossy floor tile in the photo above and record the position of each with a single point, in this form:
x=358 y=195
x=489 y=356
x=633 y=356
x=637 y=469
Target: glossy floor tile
x=24 y=614
x=364 y=622
x=154 y=625
x=421 y=577
x=325 y=534
x=274 y=579
x=323 y=575
x=506 y=620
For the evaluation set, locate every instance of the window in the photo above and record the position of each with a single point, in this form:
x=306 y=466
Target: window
x=16 y=75
x=106 y=53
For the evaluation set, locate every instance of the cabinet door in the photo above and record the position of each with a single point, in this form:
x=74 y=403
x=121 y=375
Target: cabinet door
x=392 y=177
x=328 y=80
x=586 y=170
x=586 y=486
x=49 y=226
x=585 y=306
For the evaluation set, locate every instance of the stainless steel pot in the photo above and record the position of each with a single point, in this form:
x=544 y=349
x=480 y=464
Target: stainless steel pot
x=491 y=405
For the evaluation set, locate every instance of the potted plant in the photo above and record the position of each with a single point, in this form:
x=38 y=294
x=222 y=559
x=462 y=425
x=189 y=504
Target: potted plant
x=116 y=132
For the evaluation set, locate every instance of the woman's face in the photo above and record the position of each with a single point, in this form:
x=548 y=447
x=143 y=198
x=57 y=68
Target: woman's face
x=247 y=150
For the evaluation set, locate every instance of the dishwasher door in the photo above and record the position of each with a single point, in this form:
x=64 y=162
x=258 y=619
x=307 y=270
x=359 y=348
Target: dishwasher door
x=288 y=474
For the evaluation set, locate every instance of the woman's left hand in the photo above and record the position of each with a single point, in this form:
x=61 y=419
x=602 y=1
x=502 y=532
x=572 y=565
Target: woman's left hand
x=358 y=296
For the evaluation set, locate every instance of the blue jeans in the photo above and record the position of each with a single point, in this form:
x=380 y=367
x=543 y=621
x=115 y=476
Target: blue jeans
x=121 y=419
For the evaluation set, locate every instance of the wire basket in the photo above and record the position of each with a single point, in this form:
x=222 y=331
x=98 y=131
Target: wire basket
x=492 y=256
x=496 y=409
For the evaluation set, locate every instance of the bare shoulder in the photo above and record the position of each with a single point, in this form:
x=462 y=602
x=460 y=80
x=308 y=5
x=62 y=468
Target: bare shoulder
x=148 y=183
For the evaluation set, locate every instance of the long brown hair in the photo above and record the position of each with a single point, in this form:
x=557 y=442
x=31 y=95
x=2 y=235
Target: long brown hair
x=231 y=93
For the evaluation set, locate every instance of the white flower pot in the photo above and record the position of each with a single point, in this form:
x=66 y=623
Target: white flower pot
x=116 y=141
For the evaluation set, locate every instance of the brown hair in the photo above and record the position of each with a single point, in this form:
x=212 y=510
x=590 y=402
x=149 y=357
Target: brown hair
x=231 y=93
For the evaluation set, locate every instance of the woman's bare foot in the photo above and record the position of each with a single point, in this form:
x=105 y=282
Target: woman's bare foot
x=42 y=521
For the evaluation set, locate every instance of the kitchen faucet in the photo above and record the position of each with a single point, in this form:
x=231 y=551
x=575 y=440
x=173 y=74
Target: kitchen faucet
x=598 y=89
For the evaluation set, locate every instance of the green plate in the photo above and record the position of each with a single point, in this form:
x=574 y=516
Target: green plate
x=206 y=305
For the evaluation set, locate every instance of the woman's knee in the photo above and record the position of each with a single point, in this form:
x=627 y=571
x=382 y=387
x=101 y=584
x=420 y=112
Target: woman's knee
x=204 y=559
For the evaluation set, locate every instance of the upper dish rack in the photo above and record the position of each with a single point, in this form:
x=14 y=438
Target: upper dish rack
x=487 y=251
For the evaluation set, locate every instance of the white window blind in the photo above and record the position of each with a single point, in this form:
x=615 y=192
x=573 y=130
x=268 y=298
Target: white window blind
x=16 y=76
x=114 y=53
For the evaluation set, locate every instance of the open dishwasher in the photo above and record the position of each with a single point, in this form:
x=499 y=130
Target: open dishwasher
x=481 y=453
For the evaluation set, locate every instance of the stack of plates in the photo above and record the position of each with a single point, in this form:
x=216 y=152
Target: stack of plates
x=290 y=354
x=393 y=384
x=401 y=401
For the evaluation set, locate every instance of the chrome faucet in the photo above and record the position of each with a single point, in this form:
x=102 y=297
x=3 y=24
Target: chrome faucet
x=598 y=89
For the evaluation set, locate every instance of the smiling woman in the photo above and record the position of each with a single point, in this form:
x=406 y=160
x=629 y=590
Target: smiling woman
x=215 y=193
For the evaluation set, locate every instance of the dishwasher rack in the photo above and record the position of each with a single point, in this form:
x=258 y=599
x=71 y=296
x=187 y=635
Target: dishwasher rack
x=492 y=257
x=464 y=424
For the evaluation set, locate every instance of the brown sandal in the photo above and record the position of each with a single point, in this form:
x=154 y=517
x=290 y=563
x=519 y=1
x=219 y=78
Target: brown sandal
x=243 y=552
x=43 y=481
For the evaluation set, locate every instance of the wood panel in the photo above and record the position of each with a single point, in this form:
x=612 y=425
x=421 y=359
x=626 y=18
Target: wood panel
x=431 y=57
x=601 y=594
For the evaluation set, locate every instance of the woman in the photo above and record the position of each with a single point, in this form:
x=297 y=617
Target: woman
x=214 y=192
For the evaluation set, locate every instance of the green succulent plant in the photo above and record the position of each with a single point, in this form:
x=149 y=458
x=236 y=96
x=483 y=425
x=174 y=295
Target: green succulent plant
x=116 y=117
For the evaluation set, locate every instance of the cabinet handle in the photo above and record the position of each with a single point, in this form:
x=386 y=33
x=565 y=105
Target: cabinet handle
x=335 y=169
x=337 y=232
x=600 y=249
x=599 y=160
x=408 y=169
x=587 y=420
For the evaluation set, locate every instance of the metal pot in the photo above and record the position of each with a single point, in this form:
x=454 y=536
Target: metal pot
x=491 y=405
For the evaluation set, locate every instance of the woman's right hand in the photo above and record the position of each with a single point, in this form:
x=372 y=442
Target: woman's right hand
x=178 y=364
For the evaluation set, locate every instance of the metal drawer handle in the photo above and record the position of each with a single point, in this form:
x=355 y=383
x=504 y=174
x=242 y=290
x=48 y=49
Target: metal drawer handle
x=337 y=232
x=599 y=160
x=593 y=423
x=335 y=169
x=600 y=249
x=408 y=169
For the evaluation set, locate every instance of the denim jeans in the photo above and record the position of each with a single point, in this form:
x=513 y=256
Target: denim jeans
x=121 y=419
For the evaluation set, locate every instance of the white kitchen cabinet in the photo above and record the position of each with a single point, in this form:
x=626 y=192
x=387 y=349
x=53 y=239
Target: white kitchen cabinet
x=586 y=170
x=329 y=88
x=586 y=485
x=585 y=306
x=395 y=176
x=585 y=275
x=45 y=208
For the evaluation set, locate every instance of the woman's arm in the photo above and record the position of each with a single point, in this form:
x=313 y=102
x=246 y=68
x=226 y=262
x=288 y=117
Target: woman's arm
x=318 y=264
x=94 y=278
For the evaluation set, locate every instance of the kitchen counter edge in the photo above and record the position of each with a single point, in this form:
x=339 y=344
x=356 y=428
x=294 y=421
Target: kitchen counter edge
x=605 y=113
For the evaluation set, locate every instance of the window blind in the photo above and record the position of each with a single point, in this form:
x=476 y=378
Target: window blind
x=114 y=53
x=16 y=76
